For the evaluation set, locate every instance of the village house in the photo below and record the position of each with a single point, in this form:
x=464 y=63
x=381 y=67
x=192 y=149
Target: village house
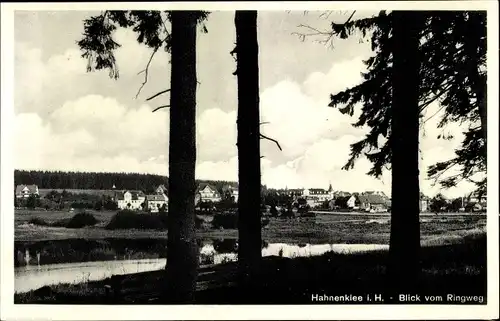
x=161 y=189
x=351 y=201
x=130 y=200
x=476 y=198
x=25 y=191
x=319 y=193
x=370 y=201
x=295 y=192
x=207 y=193
x=424 y=203
x=155 y=202
x=341 y=194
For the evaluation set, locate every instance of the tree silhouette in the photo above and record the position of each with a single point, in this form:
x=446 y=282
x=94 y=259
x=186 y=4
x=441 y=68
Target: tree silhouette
x=151 y=26
x=249 y=175
x=404 y=244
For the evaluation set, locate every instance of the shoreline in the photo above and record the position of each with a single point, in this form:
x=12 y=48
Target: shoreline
x=445 y=269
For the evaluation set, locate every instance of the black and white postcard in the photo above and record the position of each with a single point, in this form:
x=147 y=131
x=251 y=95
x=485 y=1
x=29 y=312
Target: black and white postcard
x=274 y=160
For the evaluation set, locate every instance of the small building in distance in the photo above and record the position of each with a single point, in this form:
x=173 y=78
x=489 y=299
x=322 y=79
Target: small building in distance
x=371 y=201
x=161 y=189
x=477 y=200
x=155 y=202
x=319 y=194
x=130 y=200
x=424 y=203
x=25 y=191
x=230 y=191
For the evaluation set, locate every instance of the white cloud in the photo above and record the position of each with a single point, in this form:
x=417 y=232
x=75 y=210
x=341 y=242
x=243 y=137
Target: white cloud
x=222 y=170
x=216 y=135
x=42 y=85
x=93 y=133
x=117 y=128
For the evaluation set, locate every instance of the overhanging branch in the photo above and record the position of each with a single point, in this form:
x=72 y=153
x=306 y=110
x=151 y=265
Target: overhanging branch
x=316 y=32
x=157 y=108
x=158 y=94
x=270 y=139
x=146 y=71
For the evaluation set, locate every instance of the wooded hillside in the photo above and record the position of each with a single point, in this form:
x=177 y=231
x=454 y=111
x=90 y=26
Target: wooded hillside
x=98 y=181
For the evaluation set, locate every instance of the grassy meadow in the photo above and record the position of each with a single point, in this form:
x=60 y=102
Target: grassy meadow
x=324 y=228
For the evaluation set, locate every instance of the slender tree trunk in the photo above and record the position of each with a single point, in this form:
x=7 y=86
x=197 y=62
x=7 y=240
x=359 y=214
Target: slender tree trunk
x=249 y=224
x=404 y=249
x=182 y=249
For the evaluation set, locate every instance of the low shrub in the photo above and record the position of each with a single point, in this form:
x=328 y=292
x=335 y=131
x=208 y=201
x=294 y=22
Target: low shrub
x=61 y=223
x=225 y=245
x=127 y=219
x=227 y=220
x=81 y=220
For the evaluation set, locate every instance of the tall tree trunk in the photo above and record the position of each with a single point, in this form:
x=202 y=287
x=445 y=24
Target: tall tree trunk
x=182 y=249
x=404 y=248
x=249 y=176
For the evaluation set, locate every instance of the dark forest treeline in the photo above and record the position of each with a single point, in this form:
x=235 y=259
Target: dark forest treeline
x=98 y=181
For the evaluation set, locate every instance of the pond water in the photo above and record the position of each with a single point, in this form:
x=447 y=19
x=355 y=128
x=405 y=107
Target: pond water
x=80 y=265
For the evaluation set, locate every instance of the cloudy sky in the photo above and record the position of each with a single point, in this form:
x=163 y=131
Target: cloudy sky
x=82 y=121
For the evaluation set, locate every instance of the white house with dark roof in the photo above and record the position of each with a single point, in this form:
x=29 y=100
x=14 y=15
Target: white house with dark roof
x=319 y=194
x=130 y=200
x=156 y=201
x=206 y=192
x=161 y=189
x=373 y=201
x=25 y=191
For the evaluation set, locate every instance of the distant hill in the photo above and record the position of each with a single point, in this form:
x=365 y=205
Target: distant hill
x=86 y=181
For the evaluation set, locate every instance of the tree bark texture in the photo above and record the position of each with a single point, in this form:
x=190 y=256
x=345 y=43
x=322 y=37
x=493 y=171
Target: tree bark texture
x=182 y=249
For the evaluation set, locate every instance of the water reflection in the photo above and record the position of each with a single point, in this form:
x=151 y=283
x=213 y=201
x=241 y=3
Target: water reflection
x=29 y=277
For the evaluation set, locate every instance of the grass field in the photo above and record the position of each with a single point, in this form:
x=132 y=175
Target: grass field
x=324 y=228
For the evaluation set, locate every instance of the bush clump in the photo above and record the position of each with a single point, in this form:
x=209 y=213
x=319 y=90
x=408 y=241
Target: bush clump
x=127 y=219
x=227 y=220
x=61 y=223
x=77 y=221
x=81 y=220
